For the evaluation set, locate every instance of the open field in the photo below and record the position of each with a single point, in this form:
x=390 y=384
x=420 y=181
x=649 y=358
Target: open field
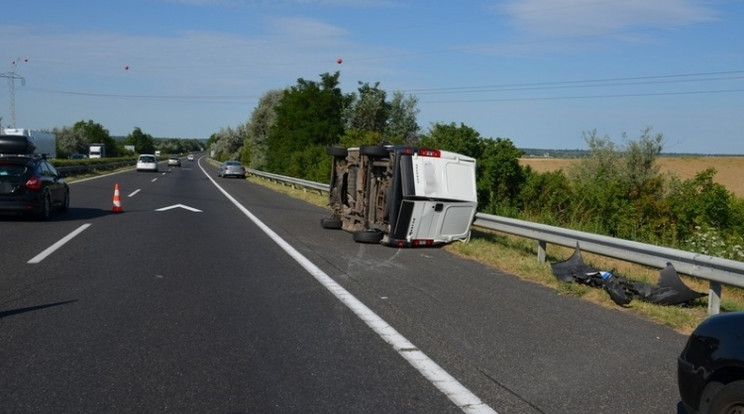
x=729 y=169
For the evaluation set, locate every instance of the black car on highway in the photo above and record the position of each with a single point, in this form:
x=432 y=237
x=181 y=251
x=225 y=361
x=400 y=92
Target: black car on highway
x=30 y=184
x=710 y=369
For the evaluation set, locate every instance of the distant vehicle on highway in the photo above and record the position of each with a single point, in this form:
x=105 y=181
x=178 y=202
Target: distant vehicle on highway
x=77 y=157
x=191 y=157
x=97 y=150
x=147 y=162
x=174 y=162
x=710 y=369
x=29 y=184
x=231 y=169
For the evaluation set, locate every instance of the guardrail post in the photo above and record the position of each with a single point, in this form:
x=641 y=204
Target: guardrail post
x=541 y=250
x=714 y=298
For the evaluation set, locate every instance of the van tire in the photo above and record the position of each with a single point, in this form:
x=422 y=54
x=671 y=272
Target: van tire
x=375 y=151
x=367 y=236
x=333 y=224
x=337 y=152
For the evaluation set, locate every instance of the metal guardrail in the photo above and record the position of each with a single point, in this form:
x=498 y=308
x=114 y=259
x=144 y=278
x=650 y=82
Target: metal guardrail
x=295 y=182
x=716 y=270
x=68 y=170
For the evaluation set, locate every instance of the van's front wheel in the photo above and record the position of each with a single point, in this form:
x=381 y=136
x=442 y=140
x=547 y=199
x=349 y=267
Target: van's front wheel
x=367 y=236
x=337 y=152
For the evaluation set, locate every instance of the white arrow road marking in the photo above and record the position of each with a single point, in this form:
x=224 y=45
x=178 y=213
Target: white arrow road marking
x=195 y=210
x=51 y=249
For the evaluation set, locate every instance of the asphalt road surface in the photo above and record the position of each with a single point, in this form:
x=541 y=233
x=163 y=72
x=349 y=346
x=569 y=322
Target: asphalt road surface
x=209 y=295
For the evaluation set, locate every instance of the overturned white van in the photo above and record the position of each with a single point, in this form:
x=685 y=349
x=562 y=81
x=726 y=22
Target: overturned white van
x=401 y=195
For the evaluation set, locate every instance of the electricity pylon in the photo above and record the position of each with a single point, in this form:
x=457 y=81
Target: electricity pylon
x=12 y=76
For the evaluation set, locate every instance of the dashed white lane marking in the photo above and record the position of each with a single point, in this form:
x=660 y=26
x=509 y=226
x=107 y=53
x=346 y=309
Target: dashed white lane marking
x=51 y=249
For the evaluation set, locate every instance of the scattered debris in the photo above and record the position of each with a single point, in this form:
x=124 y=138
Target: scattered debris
x=669 y=291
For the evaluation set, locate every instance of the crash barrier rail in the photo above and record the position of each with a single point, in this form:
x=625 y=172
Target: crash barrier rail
x=717 y=271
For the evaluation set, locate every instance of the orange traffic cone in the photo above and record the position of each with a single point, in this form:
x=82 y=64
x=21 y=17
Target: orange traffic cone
x=117 y=200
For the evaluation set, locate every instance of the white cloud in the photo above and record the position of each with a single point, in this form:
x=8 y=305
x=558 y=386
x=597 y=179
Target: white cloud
x=572 y=18
x=303 y=28
x=282 y=3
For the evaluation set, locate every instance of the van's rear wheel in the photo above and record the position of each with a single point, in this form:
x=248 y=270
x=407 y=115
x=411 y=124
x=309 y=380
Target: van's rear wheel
x=375 y=151
x=367 y=236
x=333 y=224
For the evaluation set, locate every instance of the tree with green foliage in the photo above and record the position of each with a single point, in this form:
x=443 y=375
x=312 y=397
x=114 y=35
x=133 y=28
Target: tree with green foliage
x=451 y=137
x=143 y=143
x=262 y=120
x=95 y=133
x=601 y=201
x=618 y=190
x=546 y=197
x=371 y=120
x=227 y=144
x=177 y=145
x=701 y=202
x=640 y=161
x=368 y=111
x=500 y=177
x=70 y=141
x=308 y=117
x=357 y=137
x=401 y=125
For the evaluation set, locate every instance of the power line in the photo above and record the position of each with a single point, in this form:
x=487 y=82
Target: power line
x=585 y=82
x=152 y=97
x=600 y=82
x=556 y=98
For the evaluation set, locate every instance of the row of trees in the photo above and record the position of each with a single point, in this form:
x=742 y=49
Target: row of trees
x=617 y=190
x=78 y=138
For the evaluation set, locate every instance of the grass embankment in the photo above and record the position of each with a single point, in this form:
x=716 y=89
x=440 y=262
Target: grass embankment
x=518 y=256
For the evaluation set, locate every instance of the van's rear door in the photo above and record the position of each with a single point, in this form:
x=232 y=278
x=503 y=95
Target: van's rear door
x=435 y=221
x=439 y=196
x=442 y=175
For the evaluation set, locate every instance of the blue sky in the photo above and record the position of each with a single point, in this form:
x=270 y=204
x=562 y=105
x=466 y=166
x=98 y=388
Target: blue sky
x=539 y=72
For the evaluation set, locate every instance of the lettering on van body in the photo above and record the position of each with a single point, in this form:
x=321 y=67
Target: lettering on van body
x=413 y=224
x=416 y=173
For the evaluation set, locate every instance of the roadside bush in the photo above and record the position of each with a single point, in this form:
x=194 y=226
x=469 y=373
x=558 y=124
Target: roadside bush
x=312 y=164
x=547 y=197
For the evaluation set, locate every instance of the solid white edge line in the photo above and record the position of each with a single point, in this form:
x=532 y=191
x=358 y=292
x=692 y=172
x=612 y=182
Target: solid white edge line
x=51 y=249
x=441 y=379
